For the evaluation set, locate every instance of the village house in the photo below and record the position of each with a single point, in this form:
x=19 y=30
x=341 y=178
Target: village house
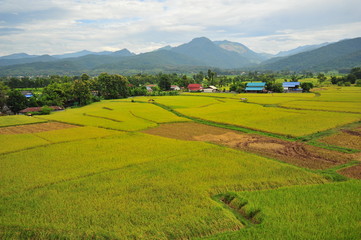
x=174 y=88
x=195 y=87
x=210 y=89
x=27 y=94
x=38 y=109
x=292 y=87
x=256 y=87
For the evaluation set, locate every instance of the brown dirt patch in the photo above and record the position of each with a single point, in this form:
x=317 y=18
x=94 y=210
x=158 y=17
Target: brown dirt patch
x=352 y=172
x=345 y=138
x=296 y=153
x=35 y=128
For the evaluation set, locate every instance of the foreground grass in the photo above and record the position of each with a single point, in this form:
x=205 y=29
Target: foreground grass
x=330 y=211
x=114 y=188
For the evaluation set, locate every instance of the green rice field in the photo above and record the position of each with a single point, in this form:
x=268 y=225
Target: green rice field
x=100 y=176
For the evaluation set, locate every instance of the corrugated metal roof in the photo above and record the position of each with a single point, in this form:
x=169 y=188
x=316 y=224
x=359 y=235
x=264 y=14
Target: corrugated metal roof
x=291 y=84
x=254 y=88
x=256 y=84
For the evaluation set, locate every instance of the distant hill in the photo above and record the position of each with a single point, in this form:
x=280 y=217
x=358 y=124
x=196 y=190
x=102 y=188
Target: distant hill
x=342 y=54
x=200 y=53
x=206 y=51
x=18 y=56
x=25 y=59
x=242 y=50
x=300 y=49
x=123 y=52
x=96 y=64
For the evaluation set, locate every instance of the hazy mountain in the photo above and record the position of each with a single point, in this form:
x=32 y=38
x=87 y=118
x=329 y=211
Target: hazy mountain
x=74 y=55
x=123 y=52
x=342 y=54
x=300 y=50
x=200 y=53
x=241 y=50
x=206 y=51
x=26 y=59
x=95 y=64
x=18 y=56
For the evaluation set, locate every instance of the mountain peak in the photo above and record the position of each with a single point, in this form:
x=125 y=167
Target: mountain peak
x=201 y=40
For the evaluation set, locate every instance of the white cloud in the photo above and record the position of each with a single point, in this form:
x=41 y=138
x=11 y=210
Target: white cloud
x=57 y=26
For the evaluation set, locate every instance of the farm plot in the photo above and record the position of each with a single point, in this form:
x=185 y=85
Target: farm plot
x=352 y=172
x=18 y=120
x=269 y=119
x=349 y=138
x=354 y=107
x=291 y=152
x=330 y=211
x=112 y=187
x=34 y=128
x=17 y=138
x=118 y=115
x=182 y=101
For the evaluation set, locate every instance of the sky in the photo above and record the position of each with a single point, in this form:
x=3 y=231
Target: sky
x=65 y=26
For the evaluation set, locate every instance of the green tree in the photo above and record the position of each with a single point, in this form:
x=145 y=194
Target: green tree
x=84 y=77
x=211 y=75
x=113 y=86
x=321 y=77
x=306 y=86
x=3 y=95
x=274 y=87
x=16 y=101
x=164 y=82
x=59 y=94
x=81 y=92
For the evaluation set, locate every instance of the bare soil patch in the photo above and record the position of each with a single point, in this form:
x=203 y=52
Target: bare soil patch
x=346 y=138
x=352 y=172
x=35 y=128
x=296 y=153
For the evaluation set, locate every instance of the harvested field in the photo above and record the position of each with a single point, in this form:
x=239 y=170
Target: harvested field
x=346 y=138
x=35 y=128
x=352 y=172
x=296 y=153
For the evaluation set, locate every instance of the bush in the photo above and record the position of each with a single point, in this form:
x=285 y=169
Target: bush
x=358 y=83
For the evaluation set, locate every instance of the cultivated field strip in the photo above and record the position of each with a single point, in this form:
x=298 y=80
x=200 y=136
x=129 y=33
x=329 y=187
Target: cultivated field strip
x=6 y=121
x=117 y=115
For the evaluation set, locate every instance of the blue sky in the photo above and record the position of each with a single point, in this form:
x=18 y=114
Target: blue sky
x=63 y=26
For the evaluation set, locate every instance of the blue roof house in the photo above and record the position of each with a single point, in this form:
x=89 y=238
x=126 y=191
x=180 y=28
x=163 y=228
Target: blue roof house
x=292 y=87
x=255 y=87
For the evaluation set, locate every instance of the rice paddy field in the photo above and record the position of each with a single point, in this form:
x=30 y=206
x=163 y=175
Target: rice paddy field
x=123 y=169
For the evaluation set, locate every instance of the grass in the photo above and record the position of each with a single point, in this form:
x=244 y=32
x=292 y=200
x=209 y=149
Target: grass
x=330 y=211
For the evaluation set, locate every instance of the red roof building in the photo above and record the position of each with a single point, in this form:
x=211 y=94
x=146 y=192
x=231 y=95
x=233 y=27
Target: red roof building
x=194 y=87
x=38 y=109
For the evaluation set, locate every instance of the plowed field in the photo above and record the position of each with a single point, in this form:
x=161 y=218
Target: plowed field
x=346 y=138
x=296 y=153
x=352 y=172
x=35 y=128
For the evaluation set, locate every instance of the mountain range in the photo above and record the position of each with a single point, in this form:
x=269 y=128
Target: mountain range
x=199 y=53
